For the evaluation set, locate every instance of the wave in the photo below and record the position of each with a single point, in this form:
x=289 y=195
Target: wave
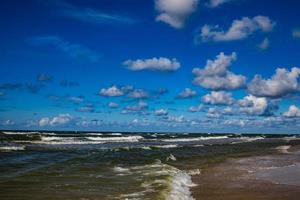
x=180 y=188
x=115 y=134
x=247 y=139
x=94 y=133
x=283 y=149
x=12 y=148
x=168 y=181
x=195 y=139
x=168 y=146
x=116 y=139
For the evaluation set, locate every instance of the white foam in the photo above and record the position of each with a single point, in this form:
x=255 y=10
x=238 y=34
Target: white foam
x=247 y=139
x=166 y=146
x=176 y=182
x=118 y=139
x=94 y=133
x=283 y=149
x=180 y=187
x=171 y=157
x=195 y=139
x=12 y=148
x=194 y=172
x=18 y=133
x=115 y=134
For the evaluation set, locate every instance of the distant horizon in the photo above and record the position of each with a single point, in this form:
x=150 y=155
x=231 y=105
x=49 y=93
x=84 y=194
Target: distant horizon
x=143 y=132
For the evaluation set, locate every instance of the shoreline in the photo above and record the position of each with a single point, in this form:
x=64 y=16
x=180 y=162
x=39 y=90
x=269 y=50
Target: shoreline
x=272 y=176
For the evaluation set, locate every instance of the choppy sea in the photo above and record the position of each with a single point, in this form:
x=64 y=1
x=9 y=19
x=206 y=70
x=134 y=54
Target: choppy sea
x=87 y=165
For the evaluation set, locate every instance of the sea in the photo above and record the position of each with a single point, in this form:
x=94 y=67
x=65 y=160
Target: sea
x=118 y=165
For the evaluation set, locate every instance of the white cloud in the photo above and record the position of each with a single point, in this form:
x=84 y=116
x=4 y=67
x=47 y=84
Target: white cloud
x=227 y=111
x=220 y=97
x=112 y=91
x=87 y=108
x=141 y=106
x=153 y=64
x=113 y=105
x=187 y=93
x=176 y=119
x=282 y=83
x=61 y=119
x=213 y=113
x=239 y=29
x=264 y=44
x=44 y=121
x=216 y=75
x=76 y=99
x=161 y=112
x=252 y=105
x=296 y=33
x=7 y=122
x=216 y=3
x=196 y=108
x=175 y=12
x=293 y=111
x=138 y=94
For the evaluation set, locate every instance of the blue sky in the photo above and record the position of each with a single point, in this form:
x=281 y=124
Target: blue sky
x=162 y=65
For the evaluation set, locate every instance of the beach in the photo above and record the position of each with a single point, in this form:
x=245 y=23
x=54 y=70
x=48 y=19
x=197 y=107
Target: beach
x=260 y=177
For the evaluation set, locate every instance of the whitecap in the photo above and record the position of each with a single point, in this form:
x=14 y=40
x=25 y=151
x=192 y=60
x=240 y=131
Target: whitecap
x=195 y=139
x=12 y=148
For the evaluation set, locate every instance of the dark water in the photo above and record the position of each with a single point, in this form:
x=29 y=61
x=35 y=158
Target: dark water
x=73 y=165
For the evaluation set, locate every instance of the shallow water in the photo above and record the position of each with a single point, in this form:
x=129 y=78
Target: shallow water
x=73 y=165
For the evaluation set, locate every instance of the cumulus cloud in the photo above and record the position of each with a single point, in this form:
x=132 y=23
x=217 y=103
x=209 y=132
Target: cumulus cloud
x=175 y=12
x=239 y=29
x=187 y=93
x=61 y=119
x=296 y=33
x=153 y=64
x=282 y=83
x=216 y=75
x=196 y=108
x=293 y=111
x=112 y=91
x=73 y=50
x=161 y=112
x=141 y=106
x=113 y=105
x=213 y=113
x=252 y=105
x=7 y=122
x=175 y=119
x=76 y=99
x=138 y=94
x=86 y=108
x=219 y=97
x=264 y=44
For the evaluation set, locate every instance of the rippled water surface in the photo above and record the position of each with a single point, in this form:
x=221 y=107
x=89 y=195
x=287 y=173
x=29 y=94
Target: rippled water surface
x=73 y=165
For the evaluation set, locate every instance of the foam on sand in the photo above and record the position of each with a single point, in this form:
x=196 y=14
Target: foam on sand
x=283 y=149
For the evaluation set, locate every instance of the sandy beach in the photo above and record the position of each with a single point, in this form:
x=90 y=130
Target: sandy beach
x=259 y=177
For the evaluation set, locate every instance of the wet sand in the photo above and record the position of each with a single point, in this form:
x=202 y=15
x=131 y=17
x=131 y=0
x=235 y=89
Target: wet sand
x=260 y=177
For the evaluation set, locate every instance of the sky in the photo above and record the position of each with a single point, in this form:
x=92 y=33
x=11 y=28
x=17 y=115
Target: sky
x=162 y=65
